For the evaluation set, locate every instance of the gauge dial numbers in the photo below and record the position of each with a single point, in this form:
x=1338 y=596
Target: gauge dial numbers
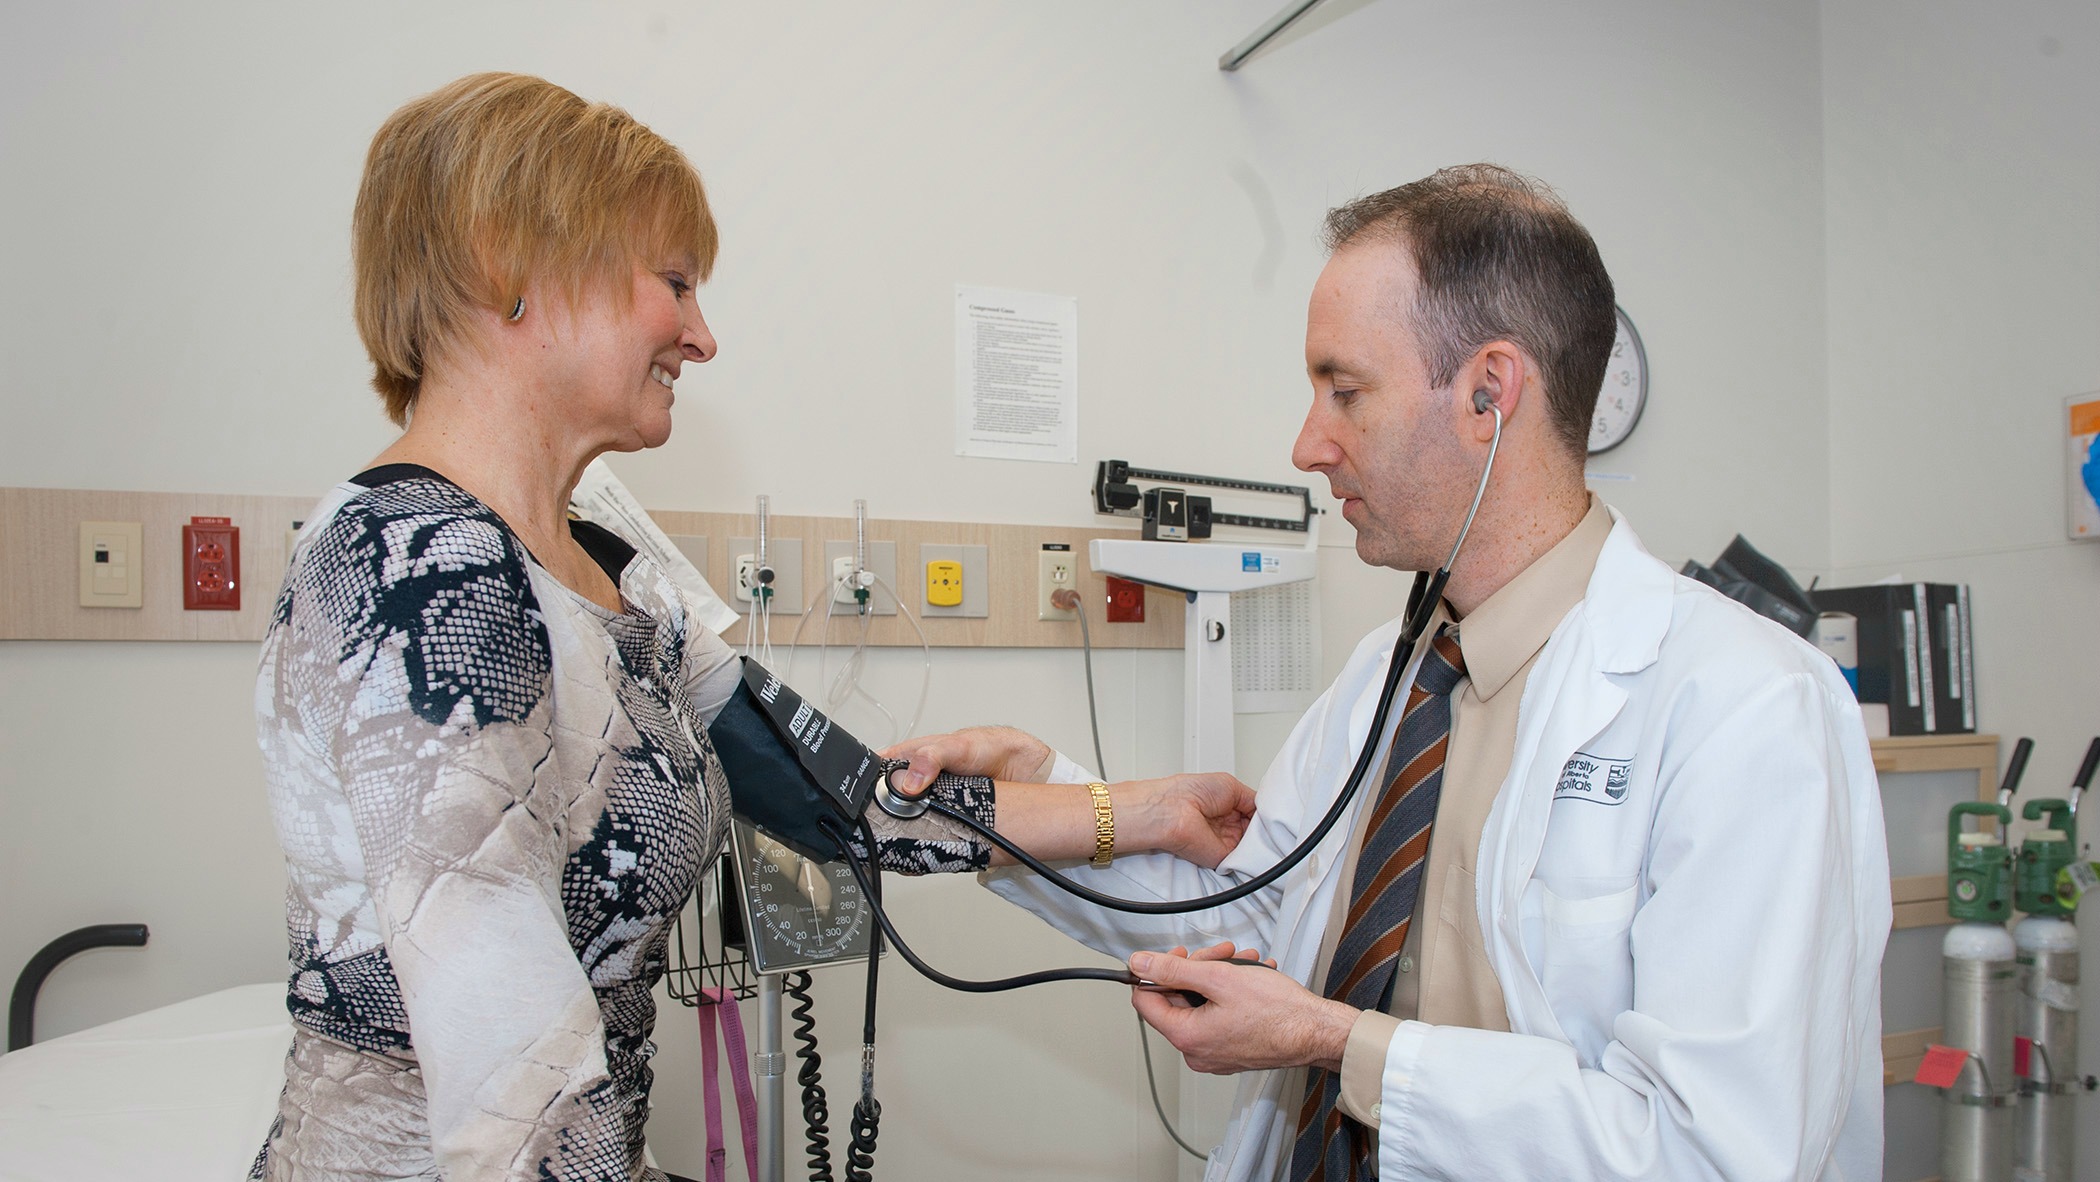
x=1625 y=391
x=799 y=913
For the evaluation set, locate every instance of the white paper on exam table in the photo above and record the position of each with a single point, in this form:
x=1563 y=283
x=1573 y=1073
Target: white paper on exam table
x=185 y=1093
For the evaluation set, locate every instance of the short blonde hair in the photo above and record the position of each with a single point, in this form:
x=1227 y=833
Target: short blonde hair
x=472 y=189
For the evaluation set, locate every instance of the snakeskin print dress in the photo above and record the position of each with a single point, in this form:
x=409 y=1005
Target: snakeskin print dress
x=493 y=796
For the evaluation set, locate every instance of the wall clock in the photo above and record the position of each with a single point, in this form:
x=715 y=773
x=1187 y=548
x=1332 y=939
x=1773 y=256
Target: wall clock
x=1625 y=390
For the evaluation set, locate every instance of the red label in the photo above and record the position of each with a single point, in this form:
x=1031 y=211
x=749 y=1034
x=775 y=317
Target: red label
x=1941 y=1066
x=211 y=521
x=2023 y=1053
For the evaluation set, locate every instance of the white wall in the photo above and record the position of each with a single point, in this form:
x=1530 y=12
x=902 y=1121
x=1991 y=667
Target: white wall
x=1962 y=153
x=176 y=199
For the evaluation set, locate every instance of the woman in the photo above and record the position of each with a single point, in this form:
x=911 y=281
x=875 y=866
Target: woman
x=483 y=724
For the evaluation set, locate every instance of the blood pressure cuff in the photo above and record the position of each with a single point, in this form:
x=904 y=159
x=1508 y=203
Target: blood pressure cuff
x=789 y=766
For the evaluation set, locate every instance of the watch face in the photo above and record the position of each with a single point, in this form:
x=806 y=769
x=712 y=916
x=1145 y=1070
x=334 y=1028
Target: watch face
x=1625 y=390
x=800 y=913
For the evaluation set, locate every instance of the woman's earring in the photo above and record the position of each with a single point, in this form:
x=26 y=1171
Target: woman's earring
x=517 y=311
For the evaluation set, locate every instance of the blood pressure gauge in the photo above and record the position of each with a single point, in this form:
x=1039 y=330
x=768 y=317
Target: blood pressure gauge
x=1625 y=389
x=798 y=913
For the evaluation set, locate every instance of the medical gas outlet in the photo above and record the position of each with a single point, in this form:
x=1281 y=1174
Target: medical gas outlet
x=862 y=579
x=783 y=559
x=957 y=580
x=754 y=583
x=944 y=583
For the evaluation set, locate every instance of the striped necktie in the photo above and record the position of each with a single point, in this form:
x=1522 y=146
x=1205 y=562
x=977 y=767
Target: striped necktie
x=1388 y=882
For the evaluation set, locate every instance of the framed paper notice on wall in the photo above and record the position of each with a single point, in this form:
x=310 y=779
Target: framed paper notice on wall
x=2082 y=415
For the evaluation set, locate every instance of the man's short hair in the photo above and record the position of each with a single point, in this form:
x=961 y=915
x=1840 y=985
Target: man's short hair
x=474 y=188
x=1498 y=257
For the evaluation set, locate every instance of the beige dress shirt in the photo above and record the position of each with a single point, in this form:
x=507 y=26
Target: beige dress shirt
x=1444 y=977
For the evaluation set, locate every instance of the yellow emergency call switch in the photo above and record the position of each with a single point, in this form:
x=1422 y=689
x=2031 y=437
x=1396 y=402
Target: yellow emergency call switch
x=944 y=583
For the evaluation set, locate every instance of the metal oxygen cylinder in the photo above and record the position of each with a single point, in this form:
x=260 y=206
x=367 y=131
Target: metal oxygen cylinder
x=2047 y=946
x=1980 y=987
x=1981 y=984
x=2048 y=1019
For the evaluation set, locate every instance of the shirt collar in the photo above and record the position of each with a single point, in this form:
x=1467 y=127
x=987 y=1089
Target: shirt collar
x=1505 y=632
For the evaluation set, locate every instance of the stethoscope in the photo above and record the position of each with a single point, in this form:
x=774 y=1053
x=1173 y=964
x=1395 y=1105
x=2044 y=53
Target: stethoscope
x=1422 y=602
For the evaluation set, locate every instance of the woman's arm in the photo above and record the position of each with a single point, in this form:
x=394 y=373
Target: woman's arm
x=1197 y=817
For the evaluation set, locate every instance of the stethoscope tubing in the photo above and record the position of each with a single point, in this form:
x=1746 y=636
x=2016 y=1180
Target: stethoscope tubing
x=1423 y=599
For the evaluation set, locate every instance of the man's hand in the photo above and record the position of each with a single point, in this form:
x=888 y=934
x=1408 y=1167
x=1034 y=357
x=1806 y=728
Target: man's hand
x=1000 y=752
x=1254 y=1019
x=1198 y=817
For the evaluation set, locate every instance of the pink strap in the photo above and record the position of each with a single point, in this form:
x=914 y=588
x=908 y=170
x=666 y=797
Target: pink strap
x=722 y=1002
x=711 y=1094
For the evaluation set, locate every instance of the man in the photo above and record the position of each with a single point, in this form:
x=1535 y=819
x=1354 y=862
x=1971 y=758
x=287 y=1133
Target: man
x=1615 y=905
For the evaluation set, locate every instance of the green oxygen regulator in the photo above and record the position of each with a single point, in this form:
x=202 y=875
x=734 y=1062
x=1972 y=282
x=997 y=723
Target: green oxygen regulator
x=1979 y=866
x=2043 y=855
x=2049 y=858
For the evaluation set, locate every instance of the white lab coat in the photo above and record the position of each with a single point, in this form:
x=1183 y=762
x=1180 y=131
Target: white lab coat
x=1683 y=887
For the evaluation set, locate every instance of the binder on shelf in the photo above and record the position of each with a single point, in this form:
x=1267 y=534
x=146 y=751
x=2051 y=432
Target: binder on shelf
x=1954 y=657
x=1896 y=662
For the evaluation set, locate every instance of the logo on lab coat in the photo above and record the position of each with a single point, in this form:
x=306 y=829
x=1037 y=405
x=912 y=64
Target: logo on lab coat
x=1594 y=778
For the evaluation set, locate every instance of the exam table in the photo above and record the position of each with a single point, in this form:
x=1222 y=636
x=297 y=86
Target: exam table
x=185 y=1093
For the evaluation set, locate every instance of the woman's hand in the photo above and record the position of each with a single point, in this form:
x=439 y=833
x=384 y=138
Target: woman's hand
x=1199 y=816
x=1000 y=752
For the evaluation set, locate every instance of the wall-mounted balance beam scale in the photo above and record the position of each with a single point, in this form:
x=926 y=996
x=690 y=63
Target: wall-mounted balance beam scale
x=1176 y=553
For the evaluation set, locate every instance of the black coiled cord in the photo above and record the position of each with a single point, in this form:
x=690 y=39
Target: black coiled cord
x=867 y=1114
x=860 y=1156
x=816 y=1107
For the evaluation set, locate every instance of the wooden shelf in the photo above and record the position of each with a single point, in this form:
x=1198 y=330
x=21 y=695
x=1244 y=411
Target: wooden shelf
x=1901 y=1052
x=1939 y=753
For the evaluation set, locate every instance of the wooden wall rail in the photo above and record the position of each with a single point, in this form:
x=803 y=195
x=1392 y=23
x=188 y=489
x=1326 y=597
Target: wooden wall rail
x=39 y=581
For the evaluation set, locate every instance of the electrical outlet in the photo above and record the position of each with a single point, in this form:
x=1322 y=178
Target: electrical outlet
x=1126 y=601
x=975 y=577
x=112 y=573
x=882 y=563
x=784 y=555
x=1058 y=572
x=211 y=565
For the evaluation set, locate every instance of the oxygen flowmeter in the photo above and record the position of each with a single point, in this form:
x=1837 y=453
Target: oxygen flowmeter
x=1979 y=864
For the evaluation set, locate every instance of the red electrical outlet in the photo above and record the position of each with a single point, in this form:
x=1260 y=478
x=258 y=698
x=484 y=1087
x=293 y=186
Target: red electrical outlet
x=211 y=565
x=1126 y=601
